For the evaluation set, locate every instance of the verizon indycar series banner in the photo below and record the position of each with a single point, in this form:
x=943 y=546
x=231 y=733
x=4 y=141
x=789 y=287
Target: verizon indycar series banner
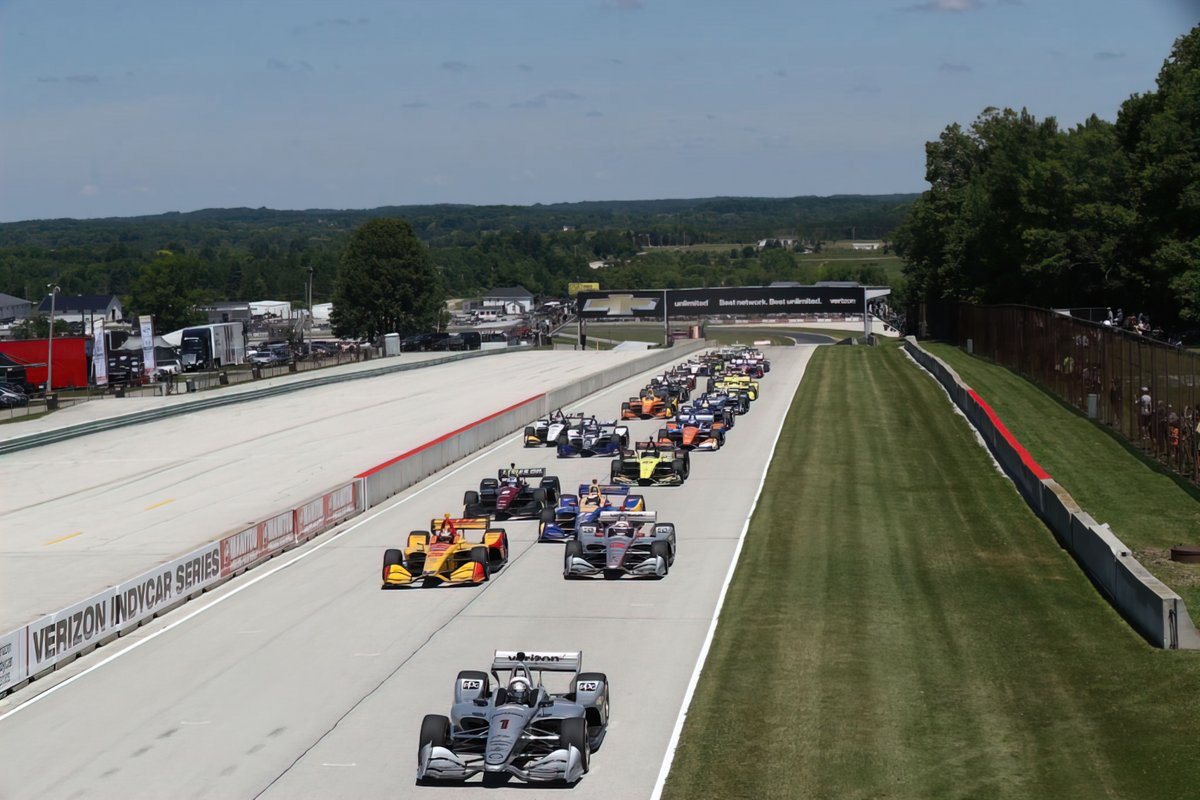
x=64 y=633
x=731 y=301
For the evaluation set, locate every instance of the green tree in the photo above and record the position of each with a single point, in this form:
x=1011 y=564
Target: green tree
x=170 y=288
x=386 y=283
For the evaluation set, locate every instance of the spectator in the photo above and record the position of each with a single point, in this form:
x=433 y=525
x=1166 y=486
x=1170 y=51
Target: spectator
x=1145 y=411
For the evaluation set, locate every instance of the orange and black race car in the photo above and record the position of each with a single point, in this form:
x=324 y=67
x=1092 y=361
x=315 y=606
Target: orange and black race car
x=695 y=430
x=652 y=404
x=445 y=556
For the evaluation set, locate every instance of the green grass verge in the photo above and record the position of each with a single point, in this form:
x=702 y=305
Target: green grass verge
x=900 y=625
x=1148 y=507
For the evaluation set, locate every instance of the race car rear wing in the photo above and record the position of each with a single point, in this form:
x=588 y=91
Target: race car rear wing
x=473 y=524
x=521 y=472
x=634 y=517
x=603 y=488
x=544 y=661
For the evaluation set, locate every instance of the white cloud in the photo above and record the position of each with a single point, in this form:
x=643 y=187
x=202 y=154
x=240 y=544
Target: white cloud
x=90 y=190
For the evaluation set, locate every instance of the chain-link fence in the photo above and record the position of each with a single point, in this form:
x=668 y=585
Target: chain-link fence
x=1148 y=390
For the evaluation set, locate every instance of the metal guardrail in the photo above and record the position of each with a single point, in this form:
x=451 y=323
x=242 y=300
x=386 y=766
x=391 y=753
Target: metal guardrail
x=222 y=399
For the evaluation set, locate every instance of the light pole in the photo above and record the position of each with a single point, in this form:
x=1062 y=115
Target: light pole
x=53 y=287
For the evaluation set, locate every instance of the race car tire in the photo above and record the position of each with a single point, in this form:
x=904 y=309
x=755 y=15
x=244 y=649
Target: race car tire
x=664 y=550
x=479 y=555
x=435 y=730
x=552 y=483
x=573 y=733
x=530 y=432
x=471 y=498
x=547 y=515
x=663 y=433
x=574 y=549
x=681 y=468
x=473 y=511
x=539 y=495
x=615 y=470
x=392 y=558
x=563 y=441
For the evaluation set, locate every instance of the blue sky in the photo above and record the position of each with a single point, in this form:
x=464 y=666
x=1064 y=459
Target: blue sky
x=123 y=107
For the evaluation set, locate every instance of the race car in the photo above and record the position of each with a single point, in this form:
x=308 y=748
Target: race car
x=735 y=402
x=734 y=383
x=650 y=404
x=592 y=438
x=651 y=464
x=561 y=523
x=509 y=723
x=545 y=431
x=695 y=430
x=620 y=543
x=510 y=495
x=444 y=555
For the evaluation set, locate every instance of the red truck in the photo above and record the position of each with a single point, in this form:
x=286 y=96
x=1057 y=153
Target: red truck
x=70 y=359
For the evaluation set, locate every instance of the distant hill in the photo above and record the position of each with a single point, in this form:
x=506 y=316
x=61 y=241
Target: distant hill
x=700 y=219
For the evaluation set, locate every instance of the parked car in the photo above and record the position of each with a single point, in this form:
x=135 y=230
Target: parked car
x=11 y=399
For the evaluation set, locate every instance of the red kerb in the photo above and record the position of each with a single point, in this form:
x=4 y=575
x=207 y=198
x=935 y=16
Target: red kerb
x=1026 y=459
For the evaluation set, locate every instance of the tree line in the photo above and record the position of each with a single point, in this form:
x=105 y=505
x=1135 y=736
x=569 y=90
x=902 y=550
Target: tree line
x=1103 y=214
x=170 y=264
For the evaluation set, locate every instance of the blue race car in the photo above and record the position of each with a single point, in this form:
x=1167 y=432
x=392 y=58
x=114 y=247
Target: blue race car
x=558 y=524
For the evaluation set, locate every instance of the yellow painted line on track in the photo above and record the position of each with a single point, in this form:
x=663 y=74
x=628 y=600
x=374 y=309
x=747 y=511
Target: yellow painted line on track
x=63 y=538
x=158 y=505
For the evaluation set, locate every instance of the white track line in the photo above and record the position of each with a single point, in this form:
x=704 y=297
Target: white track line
x=305 y=553
x=669 y=756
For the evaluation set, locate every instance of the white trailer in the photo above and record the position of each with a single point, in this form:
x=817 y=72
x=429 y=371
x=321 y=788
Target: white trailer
x=213 y=346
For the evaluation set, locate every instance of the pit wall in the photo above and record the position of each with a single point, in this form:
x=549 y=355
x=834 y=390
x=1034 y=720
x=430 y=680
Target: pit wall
x=1148 y=605
x=396 y=475
x=57 y=639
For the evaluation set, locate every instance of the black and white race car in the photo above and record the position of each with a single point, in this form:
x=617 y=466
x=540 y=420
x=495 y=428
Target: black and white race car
x=507 y=723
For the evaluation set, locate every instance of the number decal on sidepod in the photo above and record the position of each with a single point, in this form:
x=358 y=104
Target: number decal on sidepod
x=470 y=684
x=588 y=686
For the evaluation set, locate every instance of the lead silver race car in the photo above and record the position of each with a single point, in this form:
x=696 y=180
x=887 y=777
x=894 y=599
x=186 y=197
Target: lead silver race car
x=508 y=724
x=619 y=543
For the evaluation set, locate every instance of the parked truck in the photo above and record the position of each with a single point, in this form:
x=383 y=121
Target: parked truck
x=212 y=346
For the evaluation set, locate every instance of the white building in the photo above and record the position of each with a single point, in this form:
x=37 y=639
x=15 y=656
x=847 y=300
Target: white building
x=866 y=245
x=509 y=300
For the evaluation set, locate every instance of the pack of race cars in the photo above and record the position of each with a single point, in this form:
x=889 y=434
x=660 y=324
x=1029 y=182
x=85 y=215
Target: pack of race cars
x=506 y=723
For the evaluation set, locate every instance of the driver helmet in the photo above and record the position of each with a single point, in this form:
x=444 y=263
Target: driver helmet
x=621 y=528
x=519 y=689
x=594 y=489
x=446 y=531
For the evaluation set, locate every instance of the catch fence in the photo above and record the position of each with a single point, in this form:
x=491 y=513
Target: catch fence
x=1147 y=390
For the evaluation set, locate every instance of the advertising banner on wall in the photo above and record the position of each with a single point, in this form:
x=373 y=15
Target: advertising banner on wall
x=615 y=305
x=765 y=300
x=729 y=301
x=12 y=658
x=146 y=323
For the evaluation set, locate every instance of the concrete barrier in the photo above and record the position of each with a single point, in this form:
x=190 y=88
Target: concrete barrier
x=1149 y=606
x=223 y=399
x=57 y=639
x=395 y=475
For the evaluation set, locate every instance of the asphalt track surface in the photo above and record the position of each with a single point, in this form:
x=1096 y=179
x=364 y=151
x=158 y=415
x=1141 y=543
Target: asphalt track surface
x=87 y=513
x=305 y=680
